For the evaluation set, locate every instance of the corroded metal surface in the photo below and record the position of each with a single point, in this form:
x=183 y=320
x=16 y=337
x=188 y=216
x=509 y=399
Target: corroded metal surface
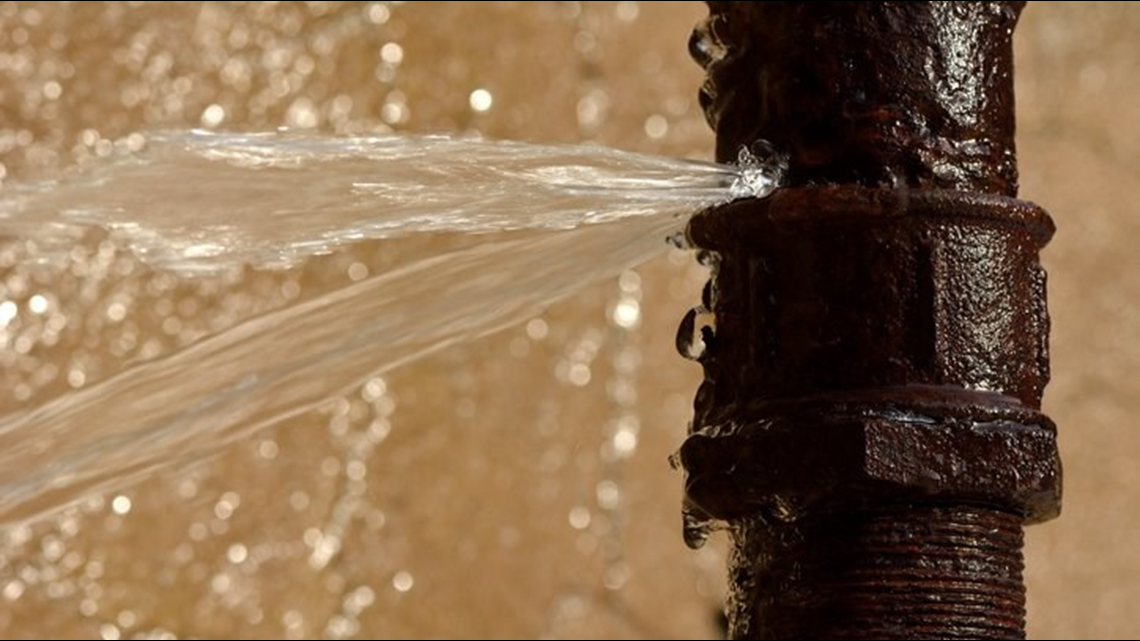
x=916 y=571
x=876 y=340
x=917 y=93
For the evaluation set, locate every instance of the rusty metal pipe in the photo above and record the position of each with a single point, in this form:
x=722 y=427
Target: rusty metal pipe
x=869 y=425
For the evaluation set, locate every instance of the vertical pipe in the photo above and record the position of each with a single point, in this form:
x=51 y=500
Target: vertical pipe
x=869 y=426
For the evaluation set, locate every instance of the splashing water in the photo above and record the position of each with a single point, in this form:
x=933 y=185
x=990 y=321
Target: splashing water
x=200 y=202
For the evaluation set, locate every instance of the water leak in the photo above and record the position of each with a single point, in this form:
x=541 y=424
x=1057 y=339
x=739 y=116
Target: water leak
x=532 y=224
x=343 y=521
x=202 y=201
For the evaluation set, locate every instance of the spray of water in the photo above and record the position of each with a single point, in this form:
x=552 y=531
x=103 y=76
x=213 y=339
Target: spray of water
x=200 y=202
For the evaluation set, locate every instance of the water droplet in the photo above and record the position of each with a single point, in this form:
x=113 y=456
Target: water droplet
x=579 y=518
x=38 y=304
x=697 y=525
x=8 y=311
x=679 y=240
x=608 y=495
x=378 y=13
x=624 y=440
x=299 y=500
x=481 y=100
x=627 y=11
x=121 y=504
x=695 y=334
x=293 y=619
x=76 y=378
x=52 y=90
x=357 y=271
x=116 y=312
x=617 y=575
x=656 y=126
x=537 y=329
x=361 y=598
x=226 y=505
x=579 y=374
x=626 y=313
x=14 y=590
x=213 y=115
x=704 y=46
x=268 y=449
x=88 y=607
x=127 y=618
x=237 y=553
x=708 y=258
x=630 y=282
x=302 y=114
x=403 y=581
x=392 y=53
x=761 y=169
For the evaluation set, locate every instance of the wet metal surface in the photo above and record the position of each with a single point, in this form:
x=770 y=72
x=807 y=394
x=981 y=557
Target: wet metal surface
x=876 y=344
x=917 y=93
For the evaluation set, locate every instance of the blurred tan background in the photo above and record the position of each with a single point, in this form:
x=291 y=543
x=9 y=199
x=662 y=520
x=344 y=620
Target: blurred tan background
x=516 y=487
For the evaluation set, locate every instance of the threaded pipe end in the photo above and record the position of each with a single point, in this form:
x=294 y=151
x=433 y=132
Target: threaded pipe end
x=901 y=571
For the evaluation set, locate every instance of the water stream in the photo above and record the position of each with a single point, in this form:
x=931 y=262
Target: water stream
x=538 y=223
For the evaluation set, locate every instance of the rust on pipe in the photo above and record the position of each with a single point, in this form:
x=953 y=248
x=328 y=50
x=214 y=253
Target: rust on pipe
x=876 y=349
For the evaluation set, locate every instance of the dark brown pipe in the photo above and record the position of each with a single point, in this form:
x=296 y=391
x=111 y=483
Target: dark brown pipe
x=870 y=425
x=874 y=93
